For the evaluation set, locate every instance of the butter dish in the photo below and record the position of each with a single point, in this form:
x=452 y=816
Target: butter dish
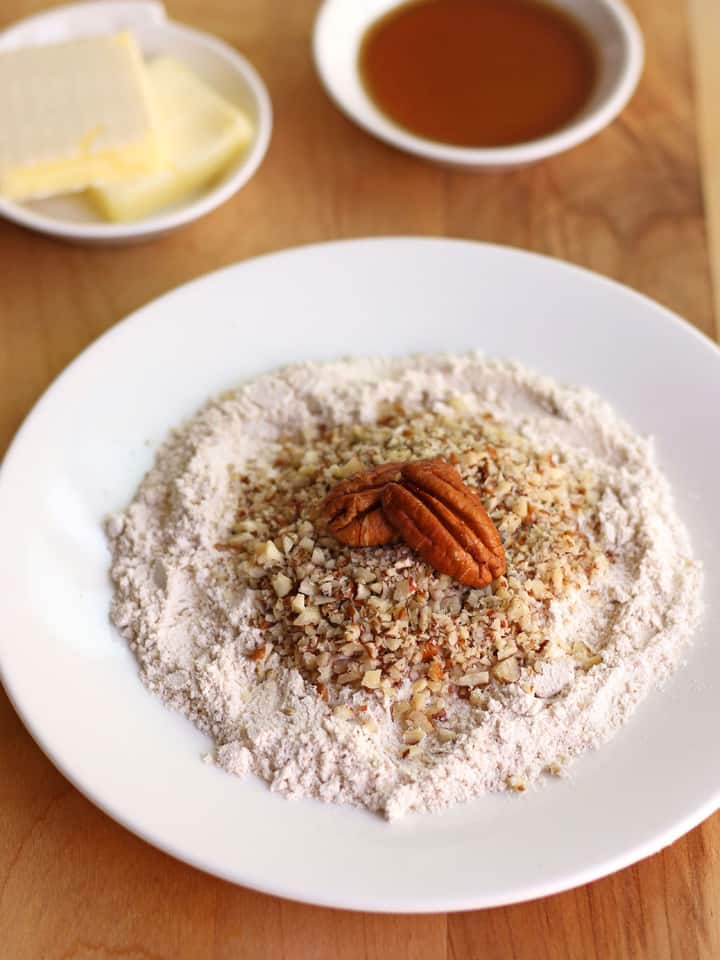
x=213 y=62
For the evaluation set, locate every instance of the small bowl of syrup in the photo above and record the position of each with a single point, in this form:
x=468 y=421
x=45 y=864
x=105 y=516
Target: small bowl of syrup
x=479 y=83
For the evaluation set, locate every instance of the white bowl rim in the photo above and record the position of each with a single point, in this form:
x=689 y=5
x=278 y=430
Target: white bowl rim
x=373 y=121
x=162 y=222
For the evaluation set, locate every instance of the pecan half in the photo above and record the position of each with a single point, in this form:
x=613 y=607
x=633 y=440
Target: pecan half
x=354 y=510
x=445 y=522
x=427 y=504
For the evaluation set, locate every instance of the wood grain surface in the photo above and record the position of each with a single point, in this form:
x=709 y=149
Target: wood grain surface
x=73 y=884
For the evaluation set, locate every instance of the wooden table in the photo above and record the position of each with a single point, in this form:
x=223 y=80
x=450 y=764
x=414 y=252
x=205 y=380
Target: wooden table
x=73 y=884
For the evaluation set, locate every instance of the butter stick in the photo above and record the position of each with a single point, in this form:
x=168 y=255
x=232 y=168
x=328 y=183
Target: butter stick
x=200 y=133
x=74 y=114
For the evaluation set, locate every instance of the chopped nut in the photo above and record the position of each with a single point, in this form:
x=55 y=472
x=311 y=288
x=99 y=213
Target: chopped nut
x=435 y=671
x=517 y=610
x=506 y=671
x=474 y=678
x=267 y=553
x=413 y=736
x=371 y=679
x=445 y=735
x=537 y=589
x=307 y=616
x=419 y=699
x=506 y=647
x=517 y=783
x=402 y=591
x=419 y=721
x=370 y=724
x=350 y=676
x=584 y=657
x=350 y=468
x=553 y=650
x=428 y=650
x=350 y=648
x=281 y=584
x=400 y=709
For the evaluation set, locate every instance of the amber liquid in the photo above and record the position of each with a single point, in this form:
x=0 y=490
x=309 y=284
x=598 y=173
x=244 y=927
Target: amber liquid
x=478 y=73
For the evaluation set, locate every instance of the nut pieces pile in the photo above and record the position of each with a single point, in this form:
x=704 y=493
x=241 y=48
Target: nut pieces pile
x=387 y=622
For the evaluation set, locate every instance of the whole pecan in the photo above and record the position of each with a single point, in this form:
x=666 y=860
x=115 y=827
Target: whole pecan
x=426 y=503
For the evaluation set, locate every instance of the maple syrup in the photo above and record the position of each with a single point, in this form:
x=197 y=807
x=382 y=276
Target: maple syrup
x=478 y=73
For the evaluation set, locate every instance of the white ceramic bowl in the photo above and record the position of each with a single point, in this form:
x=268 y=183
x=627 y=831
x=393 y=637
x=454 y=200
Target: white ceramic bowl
x=341 y=24
x=70 y=217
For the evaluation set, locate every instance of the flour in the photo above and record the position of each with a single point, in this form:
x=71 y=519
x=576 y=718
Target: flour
x=188 y=620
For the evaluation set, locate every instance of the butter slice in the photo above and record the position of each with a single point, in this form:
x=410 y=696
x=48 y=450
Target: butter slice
x=74 y=114
x=200 y=134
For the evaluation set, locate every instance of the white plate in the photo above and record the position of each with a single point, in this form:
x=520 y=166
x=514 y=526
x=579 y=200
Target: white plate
x=70 y=216
x=88 y=441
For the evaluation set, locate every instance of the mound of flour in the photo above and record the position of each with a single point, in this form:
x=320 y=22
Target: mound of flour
x=187 y=622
